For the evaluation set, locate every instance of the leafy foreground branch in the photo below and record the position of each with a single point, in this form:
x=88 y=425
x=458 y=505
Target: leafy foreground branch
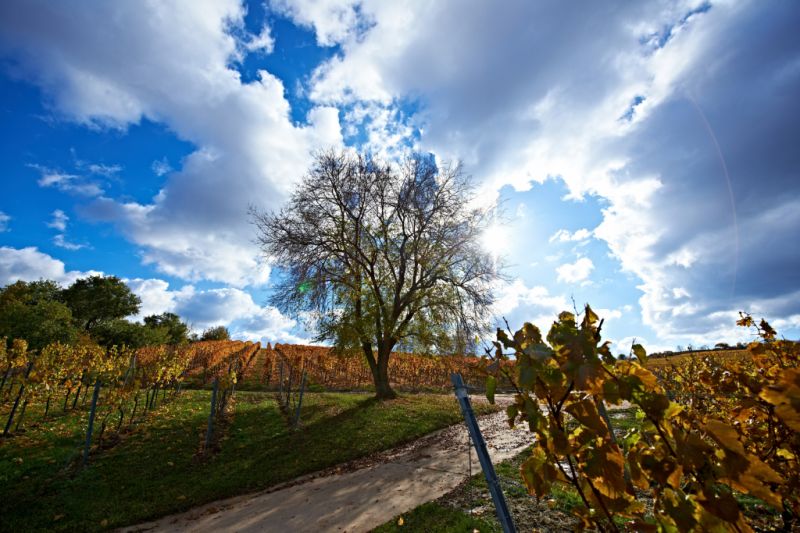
x=687 y=459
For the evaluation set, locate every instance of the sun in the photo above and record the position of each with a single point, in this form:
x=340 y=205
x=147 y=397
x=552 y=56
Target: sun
x=495 y=240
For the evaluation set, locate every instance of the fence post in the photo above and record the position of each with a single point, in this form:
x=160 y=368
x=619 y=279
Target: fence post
x=16 y=402
x=300 y=400
x=89 y=430
x=503 y=514
x=280 y=382
x=210 y=429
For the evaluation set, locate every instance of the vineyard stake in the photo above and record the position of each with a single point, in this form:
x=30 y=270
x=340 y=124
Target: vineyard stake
x=89 y=430
x=21 y=415
x=5 y=376
x=16 y=402
x=211 y=414
x=503 y=514
x=300 y=400
x=280 y=382
x=78 y=394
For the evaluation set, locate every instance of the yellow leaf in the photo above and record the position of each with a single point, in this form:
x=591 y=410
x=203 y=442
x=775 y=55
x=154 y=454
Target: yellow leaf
x=400 y=521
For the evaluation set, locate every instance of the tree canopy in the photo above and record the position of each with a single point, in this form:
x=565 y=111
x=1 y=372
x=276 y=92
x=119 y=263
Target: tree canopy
x=41 y=312
x=34 y=311
x=175 y=330
x=100 y=298
x=382 y=255
x=216 y=333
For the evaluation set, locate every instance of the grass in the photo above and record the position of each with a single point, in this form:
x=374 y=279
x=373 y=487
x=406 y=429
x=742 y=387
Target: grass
x=469 y=507
x=433 y=516
x=155 y=471
x=452 y=512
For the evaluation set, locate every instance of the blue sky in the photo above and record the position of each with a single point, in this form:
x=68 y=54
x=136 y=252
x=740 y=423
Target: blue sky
x=644 y=154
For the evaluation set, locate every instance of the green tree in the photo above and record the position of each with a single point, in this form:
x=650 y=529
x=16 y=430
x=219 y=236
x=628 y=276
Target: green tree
x=33 y=311
x=217 y=333
x=98 y=299
x=384 y=255
x=177 y=332
x=119 y=332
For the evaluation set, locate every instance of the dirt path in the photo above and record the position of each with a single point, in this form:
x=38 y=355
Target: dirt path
x=358 y=496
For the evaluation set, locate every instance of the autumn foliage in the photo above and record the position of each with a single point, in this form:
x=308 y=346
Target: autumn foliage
x=706 y=432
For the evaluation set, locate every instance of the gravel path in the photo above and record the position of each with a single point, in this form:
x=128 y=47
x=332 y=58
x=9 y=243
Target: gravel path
x=357 y=496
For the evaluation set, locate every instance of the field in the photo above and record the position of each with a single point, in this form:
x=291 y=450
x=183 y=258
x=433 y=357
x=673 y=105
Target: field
x=156 y=467
x=96 y=439
x=679 y=358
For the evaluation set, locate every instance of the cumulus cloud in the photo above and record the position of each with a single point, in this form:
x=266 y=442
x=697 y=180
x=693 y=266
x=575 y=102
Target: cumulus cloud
x=564 y=235
x=177 y=71
x=59 y=221
x=333 y=21
x=575 y=272
x=680 y=117
x=263 y=42
x=161 y=167
x=29 y=264
x=518 y=303
x=202 y=309
x=4 y=219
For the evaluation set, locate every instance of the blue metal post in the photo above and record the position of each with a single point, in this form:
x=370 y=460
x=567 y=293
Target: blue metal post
x=500 y=506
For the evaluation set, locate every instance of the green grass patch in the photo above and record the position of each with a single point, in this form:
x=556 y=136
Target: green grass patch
x=154 y=470
x=433 y=516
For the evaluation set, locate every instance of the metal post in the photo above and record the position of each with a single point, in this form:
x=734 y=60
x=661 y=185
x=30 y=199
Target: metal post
x=503 y=514
x=300 y=400
x=89 y=430
x=210 y=429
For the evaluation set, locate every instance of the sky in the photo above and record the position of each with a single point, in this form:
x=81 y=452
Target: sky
x=645 y=155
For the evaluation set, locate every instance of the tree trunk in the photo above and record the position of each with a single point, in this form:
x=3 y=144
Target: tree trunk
x=383 y=390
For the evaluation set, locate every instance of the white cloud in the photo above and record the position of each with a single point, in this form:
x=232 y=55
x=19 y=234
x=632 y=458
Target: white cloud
x=608 y=314
x=4 y=219
x=29 y=264
x=59 y=221
x=263 y=42
x=161 y=167
x=69 y=183
x=178 y=70
x=575 y=272
x=680 y=292
x=564 y=235
x=202 y=309
x=332 y=20
x=61 y=241
x=518 y=303
x=108 y=171
x=644 y=111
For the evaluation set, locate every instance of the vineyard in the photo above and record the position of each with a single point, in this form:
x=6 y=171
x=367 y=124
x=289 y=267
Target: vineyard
x=330 y=371
x=711 y=426
x=709 y=429
x=120 y=386
x=125 y=384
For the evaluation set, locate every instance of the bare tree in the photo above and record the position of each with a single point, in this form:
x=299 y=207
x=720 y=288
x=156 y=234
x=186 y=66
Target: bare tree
x=383 y=256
